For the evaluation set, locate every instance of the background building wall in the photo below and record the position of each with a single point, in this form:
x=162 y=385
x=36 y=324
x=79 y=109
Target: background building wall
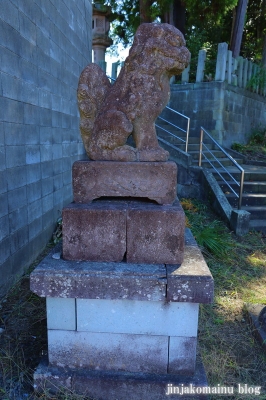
x=44 y=45
x=227 y=112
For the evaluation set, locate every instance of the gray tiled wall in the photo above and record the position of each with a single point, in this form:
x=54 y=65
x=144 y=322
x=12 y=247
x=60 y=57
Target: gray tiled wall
x=227 y=112
x=44 y=45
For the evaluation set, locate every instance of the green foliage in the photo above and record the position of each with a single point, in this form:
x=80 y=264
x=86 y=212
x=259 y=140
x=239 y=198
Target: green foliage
x=255 y=149
x=206 y=14
x=258 y=80
x=204 y=19
x=213 y=239
x=207 y=24
x=125 y=19
x=234 y=262
x=211 y=236
x=254 y=31
x=258 y=137
x=57 y=234
x=238 y=147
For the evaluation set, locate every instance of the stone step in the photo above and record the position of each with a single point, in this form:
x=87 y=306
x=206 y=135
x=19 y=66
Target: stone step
x=171 y=128
x=217 y=163
x=249 y=186
x=194 y=147
x=254 y=191
x=253 y=173
x=175 y=138
x=216 y=153
x=258 y=225
x=257 y=212
x=175 y=153
x=248 y=199
x=248 y=177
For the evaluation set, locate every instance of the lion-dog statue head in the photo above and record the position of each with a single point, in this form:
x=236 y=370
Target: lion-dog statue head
x=111 y=113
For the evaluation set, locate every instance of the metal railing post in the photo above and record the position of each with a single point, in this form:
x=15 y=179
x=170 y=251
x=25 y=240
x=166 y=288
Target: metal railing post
x=188 y=124
x=239 y=183
x=241 y=189
x=200 y=149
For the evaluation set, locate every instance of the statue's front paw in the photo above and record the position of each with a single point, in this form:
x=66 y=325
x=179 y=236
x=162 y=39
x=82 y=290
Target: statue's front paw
x=121 y=153
x=157 y=154
x=124 y=153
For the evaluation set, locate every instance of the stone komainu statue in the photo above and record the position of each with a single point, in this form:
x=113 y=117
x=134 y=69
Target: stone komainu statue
x=109 y=114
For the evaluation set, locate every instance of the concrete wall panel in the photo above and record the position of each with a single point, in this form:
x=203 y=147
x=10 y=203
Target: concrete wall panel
x=227 y=112
x=44 y=46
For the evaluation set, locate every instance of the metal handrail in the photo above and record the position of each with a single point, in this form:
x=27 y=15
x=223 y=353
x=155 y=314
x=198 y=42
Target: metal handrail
x=170 y=123
x=177 y=127
x=201 y=153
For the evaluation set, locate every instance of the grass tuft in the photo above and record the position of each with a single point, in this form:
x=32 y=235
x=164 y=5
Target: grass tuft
x=255 y=149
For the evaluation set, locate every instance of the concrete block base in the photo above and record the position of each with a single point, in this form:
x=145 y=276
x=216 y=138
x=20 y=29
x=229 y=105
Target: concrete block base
x=103 y=385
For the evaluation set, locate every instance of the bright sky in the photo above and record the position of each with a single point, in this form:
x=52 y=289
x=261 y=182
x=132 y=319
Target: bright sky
x=123 y=53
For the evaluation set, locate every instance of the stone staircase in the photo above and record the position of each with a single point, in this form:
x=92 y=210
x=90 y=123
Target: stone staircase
x=254 y=191
x=254 y=194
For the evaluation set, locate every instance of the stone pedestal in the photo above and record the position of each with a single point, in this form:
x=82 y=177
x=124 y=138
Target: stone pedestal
x=123 y=297
x=152 y=180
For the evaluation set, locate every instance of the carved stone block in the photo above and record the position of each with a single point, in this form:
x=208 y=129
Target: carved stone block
x=153 y=180
x=107 y=230
x=155 y=234
x=94 y=232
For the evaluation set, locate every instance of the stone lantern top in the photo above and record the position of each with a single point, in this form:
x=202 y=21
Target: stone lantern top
x=100 y=30
x=100 y=23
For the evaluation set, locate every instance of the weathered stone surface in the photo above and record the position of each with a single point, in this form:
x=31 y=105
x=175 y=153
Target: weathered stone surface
x=155 y=234
x=120 y=385
x=111 y=113
x=137 y=317
x=185 y=283
x=182 y=355
x=191 y=281
x=108 y=351
x=239 y=222
x=153 y=180
x=107 y=230
x=98 y=280
x=95 y=232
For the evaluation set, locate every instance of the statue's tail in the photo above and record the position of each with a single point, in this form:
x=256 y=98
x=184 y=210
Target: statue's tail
x=92 y=89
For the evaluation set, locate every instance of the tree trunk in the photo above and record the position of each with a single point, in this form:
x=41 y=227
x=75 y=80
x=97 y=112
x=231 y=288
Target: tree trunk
x=238 y=26
x=179 y=15
x=144 y=11
x=263 y=60
x=176 y=15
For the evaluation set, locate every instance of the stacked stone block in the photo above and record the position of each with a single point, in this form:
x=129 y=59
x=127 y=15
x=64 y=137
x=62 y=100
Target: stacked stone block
x=44 y=45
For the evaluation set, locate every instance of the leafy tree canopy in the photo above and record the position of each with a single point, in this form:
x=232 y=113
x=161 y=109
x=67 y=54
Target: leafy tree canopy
x=207 y=22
